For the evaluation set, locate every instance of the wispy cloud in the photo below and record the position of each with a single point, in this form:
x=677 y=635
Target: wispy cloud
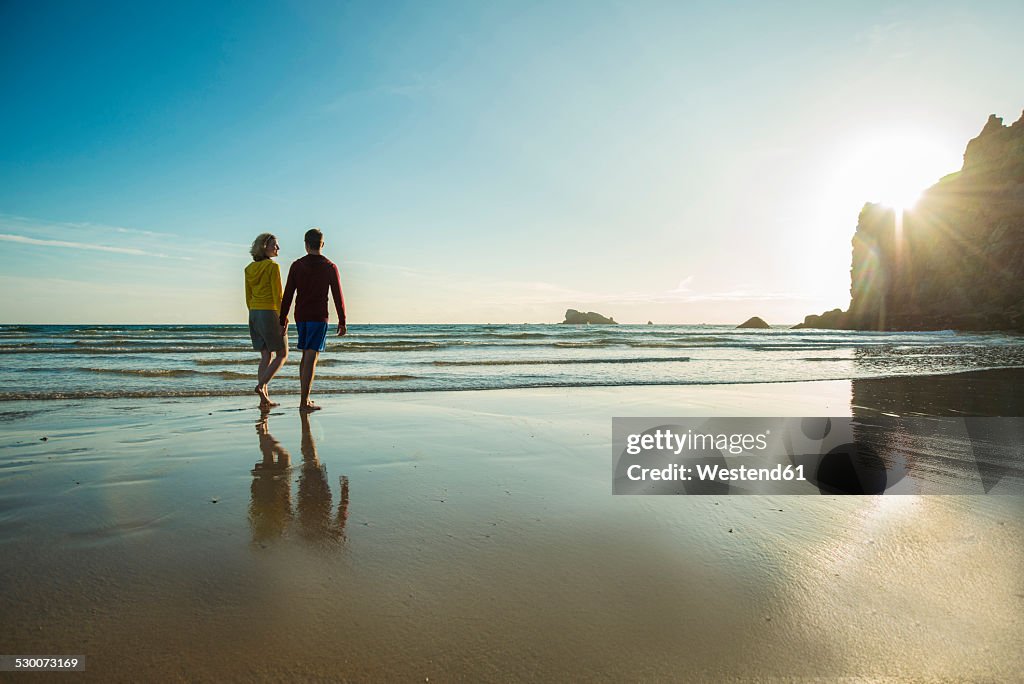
x=879 y=34
x=141 y=291
x=111 y=239
x=683 y=288
x=24 y=240
x=415 y=86
x=494 y=292
x=892 y=40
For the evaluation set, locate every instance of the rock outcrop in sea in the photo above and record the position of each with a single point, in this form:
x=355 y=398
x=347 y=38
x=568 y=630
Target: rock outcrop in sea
x=574 y=317
x=954 y=261
x=753 y=322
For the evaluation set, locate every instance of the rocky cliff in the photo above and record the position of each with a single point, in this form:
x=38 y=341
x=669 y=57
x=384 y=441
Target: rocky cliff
x=956 y=261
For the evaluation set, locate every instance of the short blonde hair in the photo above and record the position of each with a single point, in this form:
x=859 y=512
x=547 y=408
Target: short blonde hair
x=259 y=246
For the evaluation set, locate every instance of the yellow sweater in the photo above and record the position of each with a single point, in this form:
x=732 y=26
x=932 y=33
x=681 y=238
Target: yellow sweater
x=263 y=285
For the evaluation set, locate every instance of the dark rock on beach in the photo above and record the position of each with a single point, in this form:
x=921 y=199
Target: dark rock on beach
x=574 y=317
x=754 y=322
x=833 y=320
x=957 y=260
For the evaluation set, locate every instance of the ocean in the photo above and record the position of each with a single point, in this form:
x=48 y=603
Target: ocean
x=82 y=361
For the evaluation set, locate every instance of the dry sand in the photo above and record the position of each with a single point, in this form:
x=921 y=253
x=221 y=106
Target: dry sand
x=472 y=536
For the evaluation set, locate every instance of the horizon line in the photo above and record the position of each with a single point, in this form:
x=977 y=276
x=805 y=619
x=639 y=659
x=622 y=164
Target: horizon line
x=398 y=323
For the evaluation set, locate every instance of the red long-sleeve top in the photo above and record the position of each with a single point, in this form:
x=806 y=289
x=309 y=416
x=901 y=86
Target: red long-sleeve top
x=309 y=279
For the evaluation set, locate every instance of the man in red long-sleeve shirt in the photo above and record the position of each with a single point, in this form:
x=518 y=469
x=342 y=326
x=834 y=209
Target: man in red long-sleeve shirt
x=309 y=280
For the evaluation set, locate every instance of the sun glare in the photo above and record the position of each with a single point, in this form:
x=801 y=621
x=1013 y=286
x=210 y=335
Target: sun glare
x=894 y=168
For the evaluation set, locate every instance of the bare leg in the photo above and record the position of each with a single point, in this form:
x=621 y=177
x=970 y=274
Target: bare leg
x=264 y=362
x=270 y=371
x=307 y=370
x=261 y=371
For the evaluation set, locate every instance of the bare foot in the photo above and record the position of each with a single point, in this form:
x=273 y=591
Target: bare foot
x=309 y=406
x=265 y=401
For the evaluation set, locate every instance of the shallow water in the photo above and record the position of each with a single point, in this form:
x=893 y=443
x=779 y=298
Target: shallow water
x=65 y=362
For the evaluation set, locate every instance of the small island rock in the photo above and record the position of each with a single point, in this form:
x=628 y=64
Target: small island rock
x=754 y=322
x=574 y=317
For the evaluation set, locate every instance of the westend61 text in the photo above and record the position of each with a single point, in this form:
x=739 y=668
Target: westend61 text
x=667 y=440
x=714 y=473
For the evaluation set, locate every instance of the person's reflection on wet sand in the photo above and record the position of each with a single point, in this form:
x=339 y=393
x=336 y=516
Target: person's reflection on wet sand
x=314 y=506
x=270 y=508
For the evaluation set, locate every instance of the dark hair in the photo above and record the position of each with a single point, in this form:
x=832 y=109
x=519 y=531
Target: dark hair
x=314 y=238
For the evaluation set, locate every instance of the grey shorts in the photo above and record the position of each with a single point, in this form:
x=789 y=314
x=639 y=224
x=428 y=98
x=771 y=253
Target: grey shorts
x=265 y=330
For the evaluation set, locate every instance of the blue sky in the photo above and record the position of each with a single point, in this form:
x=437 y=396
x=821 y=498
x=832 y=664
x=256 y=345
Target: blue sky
x=474 y=162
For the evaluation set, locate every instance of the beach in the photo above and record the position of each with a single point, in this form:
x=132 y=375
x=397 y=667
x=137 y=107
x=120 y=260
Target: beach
x=473 y=536
x=664 y=342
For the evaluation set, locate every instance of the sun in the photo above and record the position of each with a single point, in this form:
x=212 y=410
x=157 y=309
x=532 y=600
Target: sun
x=893 y=168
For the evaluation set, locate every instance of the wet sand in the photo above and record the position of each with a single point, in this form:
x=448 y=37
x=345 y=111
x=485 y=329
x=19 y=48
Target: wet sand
x=472 y=536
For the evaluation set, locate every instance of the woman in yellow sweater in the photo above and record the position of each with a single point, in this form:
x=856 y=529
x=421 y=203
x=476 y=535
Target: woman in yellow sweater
x=263 y=297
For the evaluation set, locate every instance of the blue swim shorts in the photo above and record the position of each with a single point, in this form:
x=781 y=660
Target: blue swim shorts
x=312 y=335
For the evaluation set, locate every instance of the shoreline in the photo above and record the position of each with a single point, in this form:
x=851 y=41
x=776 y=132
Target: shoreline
x=991 y=378
x=473 y=535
